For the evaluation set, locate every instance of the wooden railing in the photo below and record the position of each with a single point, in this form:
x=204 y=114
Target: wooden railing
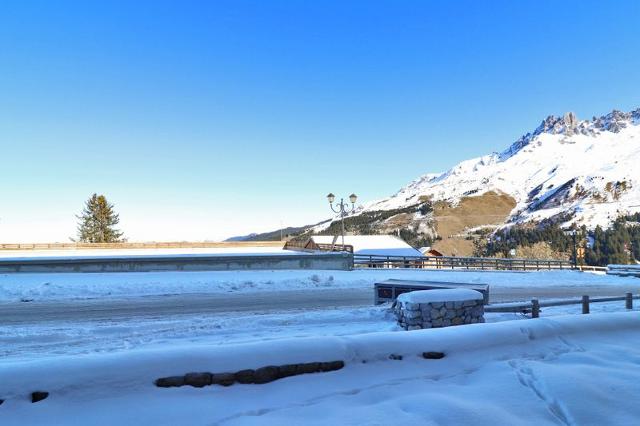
x=148 y=245
x=335 y=247
x=310 y=246
x=534 y=306
x=446 y=262
x=624 y=270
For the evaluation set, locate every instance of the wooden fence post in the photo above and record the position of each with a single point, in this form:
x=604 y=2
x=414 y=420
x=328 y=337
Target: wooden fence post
x=628 y=301
x=535 y=308
x=585 y=304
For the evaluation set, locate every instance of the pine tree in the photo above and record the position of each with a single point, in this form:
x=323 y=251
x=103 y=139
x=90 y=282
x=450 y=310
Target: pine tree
x=97 y=222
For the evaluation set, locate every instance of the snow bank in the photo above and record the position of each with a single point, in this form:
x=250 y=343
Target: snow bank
x=59 y=286
x=490 y=371
x=444 y=295
x=137 y=369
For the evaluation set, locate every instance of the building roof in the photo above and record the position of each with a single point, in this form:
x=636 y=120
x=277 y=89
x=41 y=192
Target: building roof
x=386 y=245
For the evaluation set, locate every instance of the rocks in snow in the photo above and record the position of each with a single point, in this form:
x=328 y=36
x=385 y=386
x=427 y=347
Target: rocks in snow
x=197 y=380
x=170 y=382
x=259 y=376
x=433 y=355
x=38 y=396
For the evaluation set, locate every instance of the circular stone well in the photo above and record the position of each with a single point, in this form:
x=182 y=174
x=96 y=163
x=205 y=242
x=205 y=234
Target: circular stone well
x=439 y=308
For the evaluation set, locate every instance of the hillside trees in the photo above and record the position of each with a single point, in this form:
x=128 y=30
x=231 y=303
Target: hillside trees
x=618 y=244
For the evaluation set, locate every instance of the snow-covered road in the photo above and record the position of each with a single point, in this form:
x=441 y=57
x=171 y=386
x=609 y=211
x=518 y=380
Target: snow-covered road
x=255 y=302
x=77 y=286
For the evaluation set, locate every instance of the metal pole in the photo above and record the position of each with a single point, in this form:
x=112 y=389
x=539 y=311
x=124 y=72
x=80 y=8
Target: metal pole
x=575 y=250
x=628 y=301
x=342 y=214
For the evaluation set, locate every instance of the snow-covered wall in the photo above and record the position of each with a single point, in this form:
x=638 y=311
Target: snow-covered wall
x=185 y=262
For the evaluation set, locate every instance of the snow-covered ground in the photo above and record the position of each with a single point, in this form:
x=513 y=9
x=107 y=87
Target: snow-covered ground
x=101 y=370
x=63 y=338
x=579 y=369
x=90 y=253
x=60 y=286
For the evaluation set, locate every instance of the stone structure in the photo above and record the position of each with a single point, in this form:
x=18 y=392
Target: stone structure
x=180 y=262
x=439 y=308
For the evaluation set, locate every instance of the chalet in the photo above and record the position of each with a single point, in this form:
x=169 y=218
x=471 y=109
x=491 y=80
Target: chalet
x=428 y=251
x=382 y=245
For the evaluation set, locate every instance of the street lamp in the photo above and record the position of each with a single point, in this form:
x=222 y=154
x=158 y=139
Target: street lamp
x=342 y=209
x=574 y=233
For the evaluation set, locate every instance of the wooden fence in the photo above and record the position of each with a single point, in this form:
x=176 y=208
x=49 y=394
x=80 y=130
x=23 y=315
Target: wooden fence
x=624 y=270
x=310 y=245
x=148 y=245
x=447 y=262
x=534 y=306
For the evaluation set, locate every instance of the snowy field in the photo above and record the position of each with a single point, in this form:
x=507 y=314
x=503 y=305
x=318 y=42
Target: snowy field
x=572 y=370
x=101 y=371
x=83 y=253
x=74 y=253
x=59 y=286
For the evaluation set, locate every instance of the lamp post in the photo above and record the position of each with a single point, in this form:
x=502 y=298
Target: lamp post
x=574 y=233
x=342 y=209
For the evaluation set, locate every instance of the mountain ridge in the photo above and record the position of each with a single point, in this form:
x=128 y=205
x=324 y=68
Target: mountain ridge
x=589 y=160
x=566 y=171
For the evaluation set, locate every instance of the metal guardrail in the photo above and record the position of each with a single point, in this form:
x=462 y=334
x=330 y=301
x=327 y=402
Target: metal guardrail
x=448 y=262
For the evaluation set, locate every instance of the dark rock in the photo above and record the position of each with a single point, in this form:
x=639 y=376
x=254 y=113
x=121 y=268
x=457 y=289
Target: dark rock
x=245 y=376
x=197 y=380
x=170 y=382
x=289 y=370
x=1 y=401
x=433 y=355
x=266 y=374
x=309 y=367
x=39 y=396
x=223 y=379
x=395 y=357
x=331 y=366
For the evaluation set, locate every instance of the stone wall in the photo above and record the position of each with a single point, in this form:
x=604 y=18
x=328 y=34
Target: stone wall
x=195 y=262
x=415 y=316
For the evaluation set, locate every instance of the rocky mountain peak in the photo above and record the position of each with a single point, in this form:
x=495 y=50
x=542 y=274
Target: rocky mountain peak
x=569 y=125
x=558 y=125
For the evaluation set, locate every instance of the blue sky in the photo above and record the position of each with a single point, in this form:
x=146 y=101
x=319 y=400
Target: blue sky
x=202 y=120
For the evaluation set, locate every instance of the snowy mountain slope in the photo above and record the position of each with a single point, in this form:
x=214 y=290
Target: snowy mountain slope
x=588 y=169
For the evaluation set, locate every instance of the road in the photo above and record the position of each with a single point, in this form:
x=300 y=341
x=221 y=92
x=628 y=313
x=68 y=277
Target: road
x=260 y=302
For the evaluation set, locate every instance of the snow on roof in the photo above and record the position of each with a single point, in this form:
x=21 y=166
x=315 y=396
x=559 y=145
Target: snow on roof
x=386 y=245
x=444 y=295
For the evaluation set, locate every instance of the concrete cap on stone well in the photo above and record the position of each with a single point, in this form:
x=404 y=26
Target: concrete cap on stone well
x=440 y=295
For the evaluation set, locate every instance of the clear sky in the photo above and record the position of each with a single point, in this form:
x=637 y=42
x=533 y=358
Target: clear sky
x=203 y=120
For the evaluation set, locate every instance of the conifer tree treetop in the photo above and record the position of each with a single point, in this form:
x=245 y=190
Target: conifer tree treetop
x=97 y=222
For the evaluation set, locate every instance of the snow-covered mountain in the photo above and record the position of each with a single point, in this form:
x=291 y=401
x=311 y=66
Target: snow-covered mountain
x=586 y=169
